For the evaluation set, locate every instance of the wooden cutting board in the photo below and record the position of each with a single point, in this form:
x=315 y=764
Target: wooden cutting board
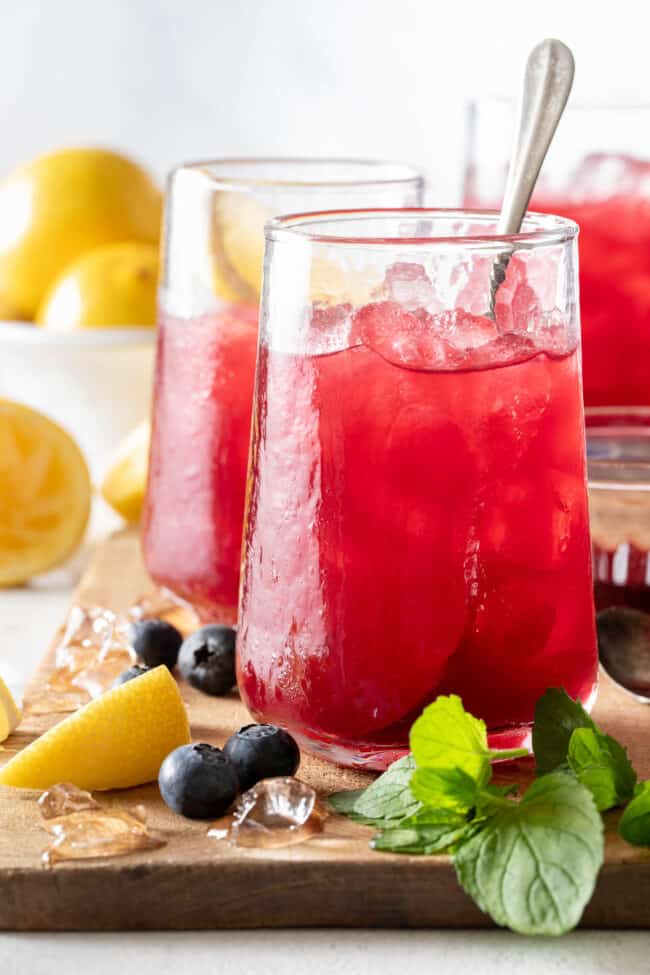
x=332 y=880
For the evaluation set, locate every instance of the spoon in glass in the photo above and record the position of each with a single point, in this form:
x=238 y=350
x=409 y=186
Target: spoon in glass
x=547 y=83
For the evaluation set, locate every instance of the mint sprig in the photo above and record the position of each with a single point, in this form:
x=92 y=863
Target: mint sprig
x=531 y=864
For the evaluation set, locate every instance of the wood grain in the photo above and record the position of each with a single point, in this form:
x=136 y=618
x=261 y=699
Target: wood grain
x=332 y=880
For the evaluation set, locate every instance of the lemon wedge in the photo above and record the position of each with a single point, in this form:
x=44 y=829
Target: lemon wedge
x=125 y=481
x=44 y=494
x=116 y=741
x=9 y=714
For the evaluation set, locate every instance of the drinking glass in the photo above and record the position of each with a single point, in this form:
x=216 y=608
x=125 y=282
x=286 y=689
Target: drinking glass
x=598 y=174
x=207 y=340
x=416 y=516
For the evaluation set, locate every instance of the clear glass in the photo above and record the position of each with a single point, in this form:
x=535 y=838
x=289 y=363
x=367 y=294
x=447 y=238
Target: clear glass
x=417 y=509
x=598 y=174
x=619 y=484
x=207 y=341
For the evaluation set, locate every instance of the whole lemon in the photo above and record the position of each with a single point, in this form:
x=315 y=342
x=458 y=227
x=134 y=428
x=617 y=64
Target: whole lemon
x=109 y=286
x=62 y=205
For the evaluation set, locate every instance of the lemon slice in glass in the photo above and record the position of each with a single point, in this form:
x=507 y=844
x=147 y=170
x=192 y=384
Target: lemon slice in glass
x=44 y=494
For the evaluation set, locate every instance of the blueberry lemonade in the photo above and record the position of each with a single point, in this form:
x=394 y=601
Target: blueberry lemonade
x=417 y=519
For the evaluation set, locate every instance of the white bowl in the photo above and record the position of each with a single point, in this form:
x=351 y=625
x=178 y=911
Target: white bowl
x=94 y=383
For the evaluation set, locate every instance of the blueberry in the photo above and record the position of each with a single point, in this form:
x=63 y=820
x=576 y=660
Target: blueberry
x=136 y=671
x=207 y=659
x=156 y=642
x=261 y=751
x=198 y=781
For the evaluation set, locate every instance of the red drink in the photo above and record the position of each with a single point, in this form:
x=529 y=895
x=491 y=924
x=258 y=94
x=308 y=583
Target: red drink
x=614 y=275
x=197 y=483
x=417 y=524
x=207 y=343
x=607 y=193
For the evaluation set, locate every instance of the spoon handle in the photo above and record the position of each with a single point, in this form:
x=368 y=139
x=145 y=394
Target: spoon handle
x=547 y=83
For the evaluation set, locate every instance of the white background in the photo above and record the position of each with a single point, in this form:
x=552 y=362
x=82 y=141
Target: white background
x=171 y=80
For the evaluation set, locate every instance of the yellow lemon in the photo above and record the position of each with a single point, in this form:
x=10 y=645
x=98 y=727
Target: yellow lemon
x=238 y=246
x=9 y=312
x=9 y=714
x=110 y=286
x=116 y=741
x=61 y=205
x=44 y=494
x=125 y=481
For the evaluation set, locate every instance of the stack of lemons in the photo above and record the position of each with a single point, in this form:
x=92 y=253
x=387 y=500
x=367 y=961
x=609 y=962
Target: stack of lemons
x=79 y=232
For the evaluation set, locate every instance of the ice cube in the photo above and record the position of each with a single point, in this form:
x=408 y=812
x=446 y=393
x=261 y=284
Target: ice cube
x=409 y=285
x=466 y=331
x=329 y=328
x=84 y=830
x=404 y=338
x=94 y=833
x=274 y=813
x=64 y=798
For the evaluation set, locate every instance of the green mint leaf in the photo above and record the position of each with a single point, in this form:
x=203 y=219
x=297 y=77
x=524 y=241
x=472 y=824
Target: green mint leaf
x=533 y=866
x=556 y=717
x=602 y=765
x=387 y=800
x=428 y=831
x=635 y=821
x=446 y=736
x=343 y=802
x=447 y=788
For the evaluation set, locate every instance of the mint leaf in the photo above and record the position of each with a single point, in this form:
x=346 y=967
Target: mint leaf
x=389 y=797
x=428 y=831
x=533 y=866
x=419 y=839
x=556 y=717
x=447 y=788
x=635 y=821
x=602 y=765
x=446 y=736
x=343 y=802
x=386 y=802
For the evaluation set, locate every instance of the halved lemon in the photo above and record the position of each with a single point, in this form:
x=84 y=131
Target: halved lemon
x=116 y=741
x=125 y=481
x=9 y=714
x=44 y=494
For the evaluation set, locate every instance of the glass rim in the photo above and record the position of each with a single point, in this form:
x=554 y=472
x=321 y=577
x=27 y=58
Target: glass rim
x=617 y=421
x=379 y=172
x=549 y=229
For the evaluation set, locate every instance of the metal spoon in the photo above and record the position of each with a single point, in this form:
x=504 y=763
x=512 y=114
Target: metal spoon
x=624 y=649
x=547 y=83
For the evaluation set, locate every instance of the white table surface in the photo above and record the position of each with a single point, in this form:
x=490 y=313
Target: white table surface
x=27 y=619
